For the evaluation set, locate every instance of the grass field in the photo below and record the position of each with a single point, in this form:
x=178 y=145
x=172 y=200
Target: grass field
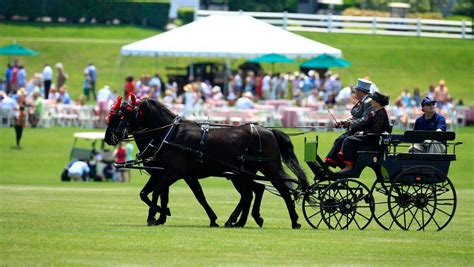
x=46 y=222
x=392 y=62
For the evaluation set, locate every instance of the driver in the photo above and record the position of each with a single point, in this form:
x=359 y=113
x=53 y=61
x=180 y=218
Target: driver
x=378 y=123
x=360 y=115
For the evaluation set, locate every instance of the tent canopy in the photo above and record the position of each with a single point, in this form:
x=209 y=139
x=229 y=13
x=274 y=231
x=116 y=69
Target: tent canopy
x=271 y=58
x=17 y=50
x=325 y=61
x=234 y=36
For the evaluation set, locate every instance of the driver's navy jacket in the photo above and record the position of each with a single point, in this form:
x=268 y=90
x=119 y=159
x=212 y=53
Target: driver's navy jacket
x=436 y=122
x=360 y=114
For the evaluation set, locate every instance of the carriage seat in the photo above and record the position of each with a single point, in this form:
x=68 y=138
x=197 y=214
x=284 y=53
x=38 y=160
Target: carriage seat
x=425 y=156
x=421 y=136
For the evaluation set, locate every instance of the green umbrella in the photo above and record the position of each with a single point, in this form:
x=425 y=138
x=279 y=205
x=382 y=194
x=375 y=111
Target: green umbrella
x=271 y=58
x=17 y=50
x=325 y=61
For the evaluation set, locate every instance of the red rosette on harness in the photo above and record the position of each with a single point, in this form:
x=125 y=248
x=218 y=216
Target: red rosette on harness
x=115 y=108
x=133 y=102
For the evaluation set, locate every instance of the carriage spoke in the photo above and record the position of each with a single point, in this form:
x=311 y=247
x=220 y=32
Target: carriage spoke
x=383 y=214
x=436 y=222
x=339 y=221
x=423 y=218
x=355 y=220
x=362 y=215
x=414 y=217
x=436 y=208
x=393 y=219
x=314 y=214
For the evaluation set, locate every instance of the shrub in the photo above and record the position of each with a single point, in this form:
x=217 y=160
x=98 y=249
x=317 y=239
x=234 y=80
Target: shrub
x=186 y=15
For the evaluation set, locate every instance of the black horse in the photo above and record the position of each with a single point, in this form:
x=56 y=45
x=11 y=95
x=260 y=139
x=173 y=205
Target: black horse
x=242 y=186
x=187 y=151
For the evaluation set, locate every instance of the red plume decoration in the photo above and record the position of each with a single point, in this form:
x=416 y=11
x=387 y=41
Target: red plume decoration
x=116 y=106
x=133 y=100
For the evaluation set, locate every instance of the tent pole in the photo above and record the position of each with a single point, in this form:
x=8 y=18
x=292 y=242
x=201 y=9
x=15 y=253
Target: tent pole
x=118 y=64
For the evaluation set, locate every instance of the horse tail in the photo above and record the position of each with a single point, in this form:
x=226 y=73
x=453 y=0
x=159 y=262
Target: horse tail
x=289 y=158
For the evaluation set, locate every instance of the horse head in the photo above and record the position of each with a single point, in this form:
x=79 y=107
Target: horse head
x=121 y=120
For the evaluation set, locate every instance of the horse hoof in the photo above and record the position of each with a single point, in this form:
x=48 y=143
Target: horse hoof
x=151 y=222
x=239 y=225
x=259 y=221
x=160 y=221
x=228 y=224
x=296 y=226
x=214 y=224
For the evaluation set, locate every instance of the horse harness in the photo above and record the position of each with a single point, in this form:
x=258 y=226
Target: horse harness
x=153 y=149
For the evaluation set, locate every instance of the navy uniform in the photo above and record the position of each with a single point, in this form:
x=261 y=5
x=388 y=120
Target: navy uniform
x=434 y=123
x=360 y=116
x=377 y=124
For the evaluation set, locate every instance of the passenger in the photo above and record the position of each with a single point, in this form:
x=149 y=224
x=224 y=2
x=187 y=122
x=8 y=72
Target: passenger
x=360 y=115
x=377 y=123
x=429 y=121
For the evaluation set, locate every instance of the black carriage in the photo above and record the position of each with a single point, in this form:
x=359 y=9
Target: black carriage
x=411 y=190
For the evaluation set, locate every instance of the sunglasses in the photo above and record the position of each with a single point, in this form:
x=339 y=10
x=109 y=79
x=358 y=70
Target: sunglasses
x=429 y=104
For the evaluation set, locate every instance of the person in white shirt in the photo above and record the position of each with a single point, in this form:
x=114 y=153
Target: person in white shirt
x=79 y=171
x=104 y=96
x=267 y=86
x=47 y=78
x=344 y=96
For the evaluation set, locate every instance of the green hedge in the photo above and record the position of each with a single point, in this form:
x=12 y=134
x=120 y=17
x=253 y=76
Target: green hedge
x=186 y=15
x=147 y=14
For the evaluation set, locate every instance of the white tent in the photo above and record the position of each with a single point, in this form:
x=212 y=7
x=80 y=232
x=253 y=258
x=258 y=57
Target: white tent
x=234 y=36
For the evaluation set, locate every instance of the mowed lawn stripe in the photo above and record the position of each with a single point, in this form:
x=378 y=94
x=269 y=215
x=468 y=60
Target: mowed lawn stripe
x=108 y=228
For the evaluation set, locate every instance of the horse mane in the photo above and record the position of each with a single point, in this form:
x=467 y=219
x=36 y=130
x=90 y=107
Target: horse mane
x=157 y=108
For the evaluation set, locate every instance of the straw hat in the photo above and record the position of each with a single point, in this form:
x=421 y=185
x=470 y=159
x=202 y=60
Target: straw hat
x=188 y=88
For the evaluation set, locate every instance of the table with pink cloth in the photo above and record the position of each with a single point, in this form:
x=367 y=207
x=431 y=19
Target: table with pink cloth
x=245 y=114
x=290 y=115
x=279 y=103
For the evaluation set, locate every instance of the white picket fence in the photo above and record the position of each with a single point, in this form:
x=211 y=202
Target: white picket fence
x=358 y=25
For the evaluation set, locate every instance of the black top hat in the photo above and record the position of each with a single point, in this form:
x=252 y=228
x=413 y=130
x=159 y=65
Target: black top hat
x=380 y=98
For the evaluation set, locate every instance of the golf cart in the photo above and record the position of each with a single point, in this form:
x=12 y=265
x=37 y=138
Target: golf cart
x=90 y=146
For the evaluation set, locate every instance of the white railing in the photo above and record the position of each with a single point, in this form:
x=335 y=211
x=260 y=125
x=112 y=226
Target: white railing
x=359 y=25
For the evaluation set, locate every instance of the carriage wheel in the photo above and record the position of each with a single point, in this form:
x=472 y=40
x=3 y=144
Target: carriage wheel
x=311 y=204
x=347 y=202
x=379 y=192
x=412 y=198
x=445 y=204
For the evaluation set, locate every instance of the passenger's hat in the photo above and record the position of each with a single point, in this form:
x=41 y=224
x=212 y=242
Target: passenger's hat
x=427 y=100
x=363 y=85
x=380 y=98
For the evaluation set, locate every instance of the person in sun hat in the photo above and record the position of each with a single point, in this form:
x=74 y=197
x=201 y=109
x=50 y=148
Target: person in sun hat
x=360 y=115
x=245 y=101
x=377 y=123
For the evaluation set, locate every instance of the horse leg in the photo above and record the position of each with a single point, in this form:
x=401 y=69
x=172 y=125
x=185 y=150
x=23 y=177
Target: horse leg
x=246 y=199
x=258 y=190
x=195 y=186
x=147 y=189
x=238 y=209
x=164 y=196
x=290 y=205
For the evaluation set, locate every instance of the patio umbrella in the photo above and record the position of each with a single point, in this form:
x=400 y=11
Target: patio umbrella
x=17 y=50
x=325 y=61
x=271 y=58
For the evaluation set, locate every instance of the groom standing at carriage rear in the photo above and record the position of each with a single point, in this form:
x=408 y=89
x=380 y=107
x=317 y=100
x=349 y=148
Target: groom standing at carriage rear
x=360 y=115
